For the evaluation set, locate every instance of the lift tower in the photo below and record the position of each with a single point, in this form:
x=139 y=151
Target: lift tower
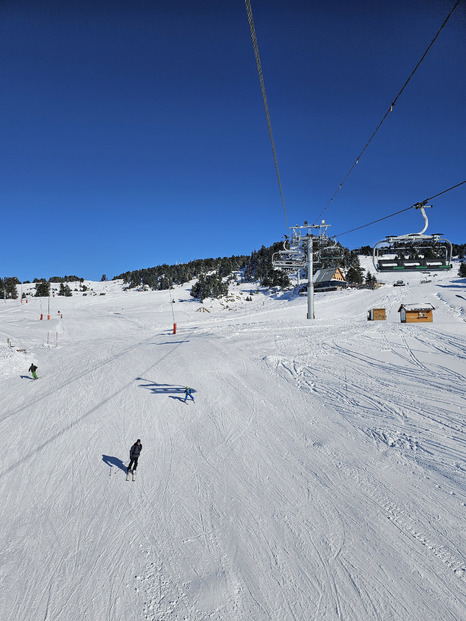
x=299 y=254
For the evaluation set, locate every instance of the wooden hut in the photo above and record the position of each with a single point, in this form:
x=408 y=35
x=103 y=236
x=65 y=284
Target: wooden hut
x=329 y=279
x=376 y=314
x=416 y=313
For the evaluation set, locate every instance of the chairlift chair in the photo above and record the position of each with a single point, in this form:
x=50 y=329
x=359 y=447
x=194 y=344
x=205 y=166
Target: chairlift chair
x=291 y=258
x=288 y=260
x=420 y=245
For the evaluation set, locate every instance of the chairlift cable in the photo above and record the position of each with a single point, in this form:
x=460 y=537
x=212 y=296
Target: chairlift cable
x=389 y=110
x=445 y=191
x=402 y=210
x=375 y=221
x=264 y=97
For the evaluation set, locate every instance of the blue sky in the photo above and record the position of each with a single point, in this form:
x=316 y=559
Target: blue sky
x=134 y=133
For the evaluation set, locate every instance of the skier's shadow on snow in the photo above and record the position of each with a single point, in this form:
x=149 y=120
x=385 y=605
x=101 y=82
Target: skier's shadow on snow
x=26 y=377
x=113 y=461
x=181 y=398
x=164 y=389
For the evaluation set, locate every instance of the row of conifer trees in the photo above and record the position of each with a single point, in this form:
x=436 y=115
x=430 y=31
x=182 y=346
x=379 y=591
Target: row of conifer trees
x=211 y=274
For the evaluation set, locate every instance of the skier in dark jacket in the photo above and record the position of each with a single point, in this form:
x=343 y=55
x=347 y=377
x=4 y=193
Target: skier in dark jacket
x=134 y=453
x=33 y=370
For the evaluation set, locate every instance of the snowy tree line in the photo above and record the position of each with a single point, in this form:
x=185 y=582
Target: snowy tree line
x=212 y=274
x=9 y=287
x=165 y=276
x=458 y=250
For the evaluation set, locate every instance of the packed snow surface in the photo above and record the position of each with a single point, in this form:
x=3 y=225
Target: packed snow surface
x=319 y=474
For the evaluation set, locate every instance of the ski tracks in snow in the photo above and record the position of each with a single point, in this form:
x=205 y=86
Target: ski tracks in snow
x=384 y=387
x=317 y=476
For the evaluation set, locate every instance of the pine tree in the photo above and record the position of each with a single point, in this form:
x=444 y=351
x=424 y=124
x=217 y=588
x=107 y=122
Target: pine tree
x=462 y=270
x=209 y=287
x=65 y=290
x=354 y=276
x=366 y=251
x=370 y=279
x=199 y=289
x=11 y=291
x=42 y=289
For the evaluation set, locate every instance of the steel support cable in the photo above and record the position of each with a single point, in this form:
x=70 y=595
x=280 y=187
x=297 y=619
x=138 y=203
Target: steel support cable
x=445 y=191
x=389 y=110
x=424 y=202
x=375 y=221
x=264 y=97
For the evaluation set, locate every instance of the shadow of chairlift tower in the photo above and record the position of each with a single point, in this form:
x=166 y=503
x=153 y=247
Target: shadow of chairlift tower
x=171 y=390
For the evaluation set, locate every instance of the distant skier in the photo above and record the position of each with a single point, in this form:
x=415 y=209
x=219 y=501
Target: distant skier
x=134 y=453
x=187 y=393
x=33 y=370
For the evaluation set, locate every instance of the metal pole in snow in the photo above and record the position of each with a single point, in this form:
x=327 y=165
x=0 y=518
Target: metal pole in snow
x=310 y=281
x=173 y=312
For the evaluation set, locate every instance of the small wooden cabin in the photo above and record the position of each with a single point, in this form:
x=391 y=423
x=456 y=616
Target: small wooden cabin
x=376 y=314
x=416 y=313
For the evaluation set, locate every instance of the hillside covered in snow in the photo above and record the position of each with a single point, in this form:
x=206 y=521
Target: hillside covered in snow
x=319 y=474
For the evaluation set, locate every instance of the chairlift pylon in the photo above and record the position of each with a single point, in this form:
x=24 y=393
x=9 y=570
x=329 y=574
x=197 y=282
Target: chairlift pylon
x=293 y=257
x=414 y=251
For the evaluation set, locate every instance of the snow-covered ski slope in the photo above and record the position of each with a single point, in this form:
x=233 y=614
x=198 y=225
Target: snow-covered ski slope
x=319 y=475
